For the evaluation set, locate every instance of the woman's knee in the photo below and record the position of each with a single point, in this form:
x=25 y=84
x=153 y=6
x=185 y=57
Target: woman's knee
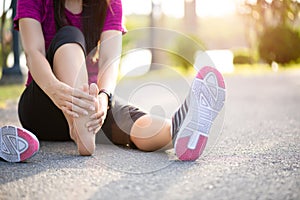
x=70 y=34
x=150 y=133
x=65 y=35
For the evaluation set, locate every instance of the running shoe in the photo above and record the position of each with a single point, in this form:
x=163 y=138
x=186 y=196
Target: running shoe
x=17 y=144
x=192 y=122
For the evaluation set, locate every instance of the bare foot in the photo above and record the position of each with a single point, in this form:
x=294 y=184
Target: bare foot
x=84 y=139
x=72 y=131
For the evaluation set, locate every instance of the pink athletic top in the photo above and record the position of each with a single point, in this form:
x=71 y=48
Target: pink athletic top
x=43 y=11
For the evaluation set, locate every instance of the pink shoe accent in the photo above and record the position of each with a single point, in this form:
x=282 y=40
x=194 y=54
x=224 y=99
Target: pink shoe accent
x=187 y=154
x=205 y=70
x=33 y=144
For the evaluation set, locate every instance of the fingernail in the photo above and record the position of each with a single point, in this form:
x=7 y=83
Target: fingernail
x=92 y=108
x=86 y=113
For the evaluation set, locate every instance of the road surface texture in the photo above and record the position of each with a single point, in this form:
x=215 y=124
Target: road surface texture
x=257 y=155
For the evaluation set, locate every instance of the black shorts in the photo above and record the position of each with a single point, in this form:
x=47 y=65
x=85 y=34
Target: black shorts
x=38 y=114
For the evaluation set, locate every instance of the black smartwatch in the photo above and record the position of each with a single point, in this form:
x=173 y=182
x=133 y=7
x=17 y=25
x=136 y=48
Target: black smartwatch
x=109 y=96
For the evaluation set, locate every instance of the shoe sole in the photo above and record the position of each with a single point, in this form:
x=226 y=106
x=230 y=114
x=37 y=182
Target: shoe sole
x=17 y=144
x=207 y=97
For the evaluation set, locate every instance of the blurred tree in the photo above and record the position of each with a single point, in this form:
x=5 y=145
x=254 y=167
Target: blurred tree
x=262 y=16
x=184 y=49
x=3 y=19
x=280 y=44
x=274 y=13
x=154 y=37
x=185 y=46
x=285 y=12
x=257 y=14
x=6 y=48
x=190 y=17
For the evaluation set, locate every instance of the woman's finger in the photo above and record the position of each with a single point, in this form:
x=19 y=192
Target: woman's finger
x=95 y=128
x=97 y=115
x=83 y=104
x=76 y=109
x=83 y=95
x=94 y=122
x=69 y=112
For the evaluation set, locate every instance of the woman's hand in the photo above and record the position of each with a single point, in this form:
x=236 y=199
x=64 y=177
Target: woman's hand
x=70 y=100
x=101 y=103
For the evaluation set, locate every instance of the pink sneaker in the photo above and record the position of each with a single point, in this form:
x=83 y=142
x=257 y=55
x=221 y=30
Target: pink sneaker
x=192 y=122
x=17 y=144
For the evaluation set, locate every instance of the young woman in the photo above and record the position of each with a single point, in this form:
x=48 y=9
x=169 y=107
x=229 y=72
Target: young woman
x=67 y=97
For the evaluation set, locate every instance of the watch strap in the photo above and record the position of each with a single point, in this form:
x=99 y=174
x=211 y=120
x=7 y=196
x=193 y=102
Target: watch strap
x=109 y=96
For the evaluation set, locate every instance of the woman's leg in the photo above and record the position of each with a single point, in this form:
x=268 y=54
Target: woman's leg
x=127 y=125
x=69 y=67
x=37 y=112
x=68 y=61
x=151 y=133
x=191 y=123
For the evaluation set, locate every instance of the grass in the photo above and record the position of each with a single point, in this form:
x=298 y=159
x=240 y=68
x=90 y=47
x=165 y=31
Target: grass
x=10 y=92
x=252 y=69
x=248 y=69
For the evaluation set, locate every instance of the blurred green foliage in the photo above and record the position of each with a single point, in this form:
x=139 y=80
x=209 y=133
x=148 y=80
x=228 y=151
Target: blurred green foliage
x=6 y=43
x=266 y=13
x=280 y=44
x=275 y=25
x=244 y=56
x=10 y=92
x=133 y=23
x=184 y=49
x=242 y=59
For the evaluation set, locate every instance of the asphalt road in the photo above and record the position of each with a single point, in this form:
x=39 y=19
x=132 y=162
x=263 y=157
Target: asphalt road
x=257 y=155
